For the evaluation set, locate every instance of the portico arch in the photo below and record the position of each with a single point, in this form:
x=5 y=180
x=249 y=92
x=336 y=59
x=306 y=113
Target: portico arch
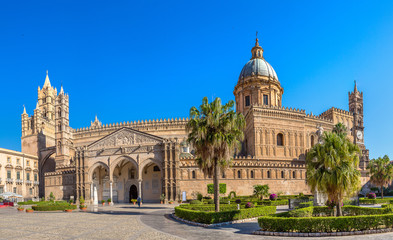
x=151 y=180
x=124 y=172
x=98 y=175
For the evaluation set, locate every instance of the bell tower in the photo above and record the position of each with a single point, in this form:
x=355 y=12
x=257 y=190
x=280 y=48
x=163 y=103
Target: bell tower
x=356 y=108
x=63 y=131
x=355 y=101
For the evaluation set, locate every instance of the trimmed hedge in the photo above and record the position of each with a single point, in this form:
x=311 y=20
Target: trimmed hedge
x=210 y=207
x=53 y=207
x=375 y=201
x=305 y=204
x=347 y=211
x=196 y=202
x=225 y=216
x=325 y=224
x=273 y=203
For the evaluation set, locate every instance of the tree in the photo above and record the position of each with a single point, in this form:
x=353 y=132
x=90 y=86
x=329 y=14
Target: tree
x=215 y=131
x=381 y=171
x=261 y=191
x=332 y=168
x=340 y=129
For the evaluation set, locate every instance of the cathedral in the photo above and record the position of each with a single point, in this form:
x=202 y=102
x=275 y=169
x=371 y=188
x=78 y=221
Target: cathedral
x=151 y=158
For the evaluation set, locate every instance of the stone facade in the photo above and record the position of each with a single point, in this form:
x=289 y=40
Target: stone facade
x=148 y=158
x=19 y=173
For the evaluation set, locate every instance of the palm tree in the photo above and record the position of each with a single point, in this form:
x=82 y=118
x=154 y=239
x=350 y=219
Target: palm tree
x=340 y=129
x=215 y=131
x=332 y=168
x=381 y=172
x=261 y=191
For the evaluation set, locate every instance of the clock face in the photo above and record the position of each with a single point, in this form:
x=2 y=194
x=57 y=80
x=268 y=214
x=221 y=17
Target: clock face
x=359 y=135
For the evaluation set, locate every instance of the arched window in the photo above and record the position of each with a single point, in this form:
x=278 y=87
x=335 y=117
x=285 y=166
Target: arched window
x=293 y=174
x=252 y=174
x=239 y=174
x=282 y=174
x=193 y=174
x=44 y=113
x=312 y=140
x=223 y=174
x=156 y=169
x=280 y=139
x=268 y=174
x=59 y=126
x=59 y=112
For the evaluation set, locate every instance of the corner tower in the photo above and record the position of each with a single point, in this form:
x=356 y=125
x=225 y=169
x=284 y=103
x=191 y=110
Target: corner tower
x=63 y=131
x=258 y=83
x=355 y=102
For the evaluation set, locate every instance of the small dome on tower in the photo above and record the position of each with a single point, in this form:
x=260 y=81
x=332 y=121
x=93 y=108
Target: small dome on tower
x=257 y=66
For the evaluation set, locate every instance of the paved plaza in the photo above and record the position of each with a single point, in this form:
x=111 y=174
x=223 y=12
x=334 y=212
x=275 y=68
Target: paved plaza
x=152 y=221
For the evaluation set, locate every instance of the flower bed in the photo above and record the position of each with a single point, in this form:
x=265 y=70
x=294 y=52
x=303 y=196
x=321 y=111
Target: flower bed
x=309 y=220
x=222 y=216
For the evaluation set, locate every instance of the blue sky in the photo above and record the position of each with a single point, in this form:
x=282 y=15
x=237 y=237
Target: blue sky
x=134 y=60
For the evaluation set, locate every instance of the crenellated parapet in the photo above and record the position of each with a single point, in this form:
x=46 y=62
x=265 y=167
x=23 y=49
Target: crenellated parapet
x=140 y=125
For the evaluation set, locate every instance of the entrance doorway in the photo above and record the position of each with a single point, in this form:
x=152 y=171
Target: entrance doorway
x=133 y=192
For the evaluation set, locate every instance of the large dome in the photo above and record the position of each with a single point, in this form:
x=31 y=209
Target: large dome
x=258 y=67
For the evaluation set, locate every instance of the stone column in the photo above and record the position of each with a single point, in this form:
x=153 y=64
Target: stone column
x=91 y=192
x=111 y=192
x=165 y=168
x=140 y=189
x=170 y=198
x=95 y=196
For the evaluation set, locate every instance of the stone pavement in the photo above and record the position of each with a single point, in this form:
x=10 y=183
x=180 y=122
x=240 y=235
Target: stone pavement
x=118 y=222
x=151 y=221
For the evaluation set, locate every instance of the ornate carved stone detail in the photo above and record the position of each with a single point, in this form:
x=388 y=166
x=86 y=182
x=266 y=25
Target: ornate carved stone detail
x=125 y=137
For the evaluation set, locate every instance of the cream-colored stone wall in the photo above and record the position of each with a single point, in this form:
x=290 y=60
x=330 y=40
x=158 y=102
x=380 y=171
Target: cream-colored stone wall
x=19 y=173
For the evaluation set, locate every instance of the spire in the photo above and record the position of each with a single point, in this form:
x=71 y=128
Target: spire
x=24 y=109
x=257 y=51
x=355 y=88
x=61 y=90
x=37 y=106
x=47 y=82
x=256 y=40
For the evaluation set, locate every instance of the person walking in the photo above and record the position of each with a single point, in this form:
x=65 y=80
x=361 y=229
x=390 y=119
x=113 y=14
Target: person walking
x=139 y=201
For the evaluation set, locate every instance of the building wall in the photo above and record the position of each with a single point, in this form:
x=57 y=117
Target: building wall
x=26 y=182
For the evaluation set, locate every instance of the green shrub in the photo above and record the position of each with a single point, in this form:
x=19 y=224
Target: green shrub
x=29 y=202
x=273 y=203
x=375 y=201
x=232 y=194
x=305 y=204
x=325 y=224
x=82 y=200
x=51 y=197
x=210 y=201
x=225 y=216
x=222 y=188
x=195 y=202
x=199 y=196
x=209 y=207
x=53 y=206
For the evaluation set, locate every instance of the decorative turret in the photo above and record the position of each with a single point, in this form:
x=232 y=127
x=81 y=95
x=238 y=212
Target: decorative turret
x=257 y=51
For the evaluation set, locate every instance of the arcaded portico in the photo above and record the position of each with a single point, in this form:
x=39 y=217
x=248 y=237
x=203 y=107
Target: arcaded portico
x=125 y=165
